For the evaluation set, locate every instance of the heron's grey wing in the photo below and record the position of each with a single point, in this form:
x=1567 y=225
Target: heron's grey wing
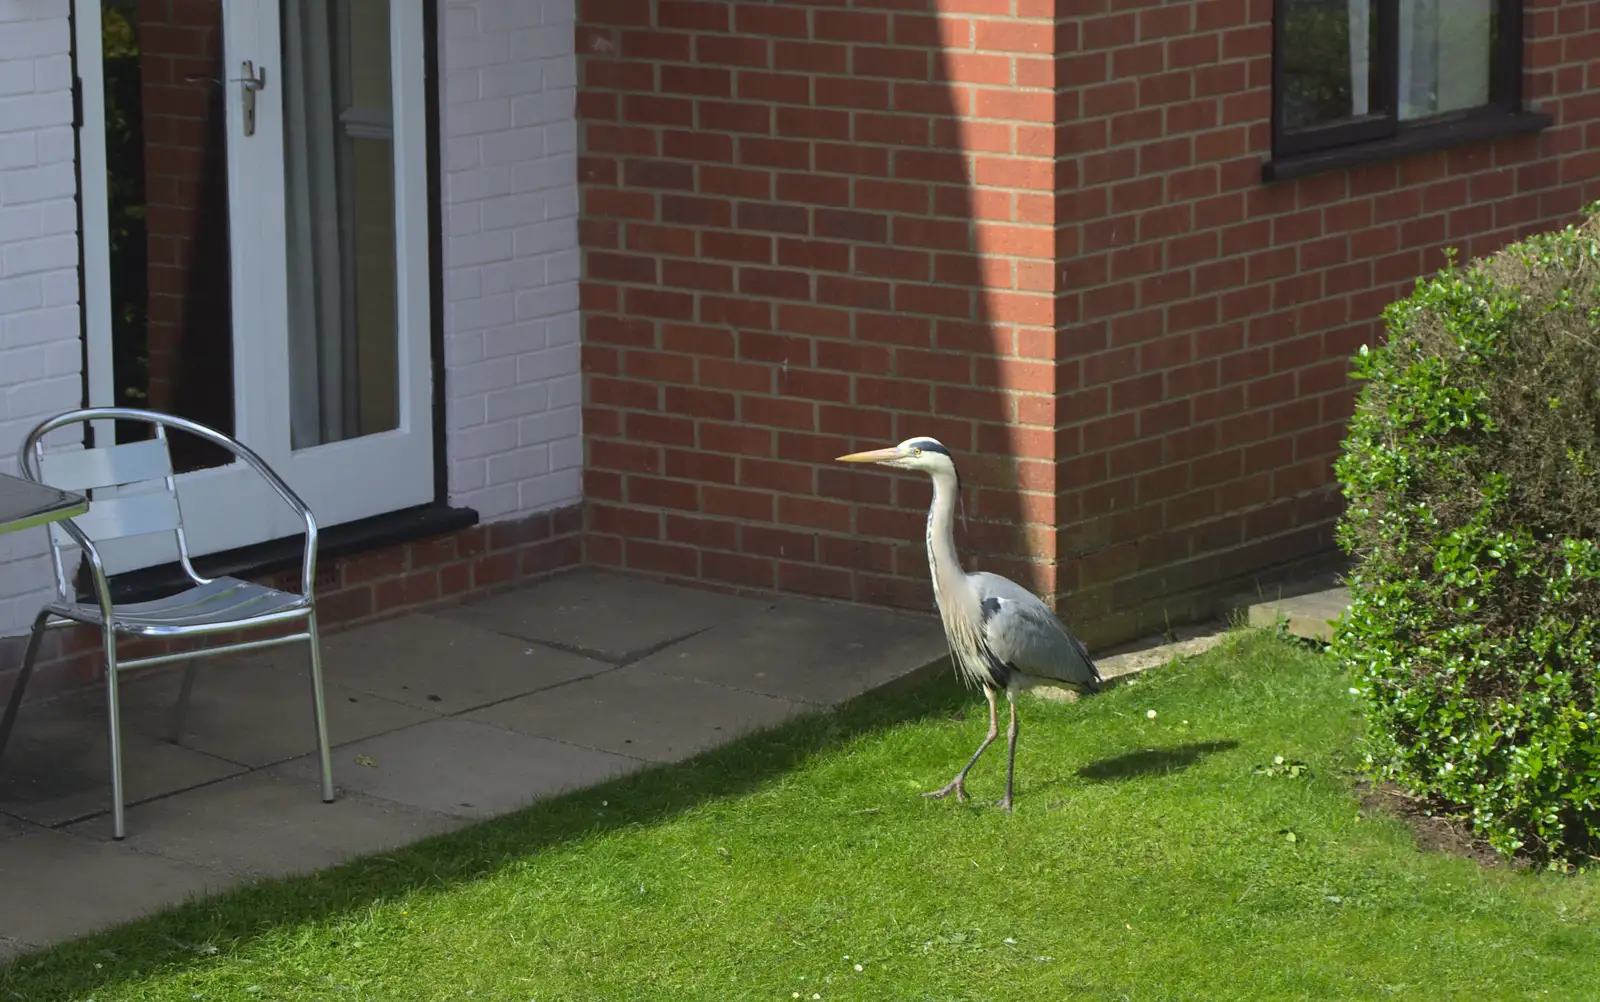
x=1022 y=632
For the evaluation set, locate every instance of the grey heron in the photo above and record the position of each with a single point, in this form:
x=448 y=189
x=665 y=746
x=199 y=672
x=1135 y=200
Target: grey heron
x=1001 y=636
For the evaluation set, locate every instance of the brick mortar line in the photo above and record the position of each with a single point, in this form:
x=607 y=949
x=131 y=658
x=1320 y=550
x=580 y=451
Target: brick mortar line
x=1134 y=280
x=911 y=512
x=1081 y=386
x=1286 y=438
x=1074 y=223
x=935 y=188
x=1190 y=556
x=778 y=493
x=979 y=257
x=932 y=118
x=891 y=506
x=810 y=399
x=972 y=19
x=1322 y=396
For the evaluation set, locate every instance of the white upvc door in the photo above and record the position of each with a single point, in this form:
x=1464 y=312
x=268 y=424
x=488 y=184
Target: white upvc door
x=349 y=366
x=328 y=240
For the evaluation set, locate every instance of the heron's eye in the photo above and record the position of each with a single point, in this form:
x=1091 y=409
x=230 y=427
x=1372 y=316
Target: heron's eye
x=916 y=451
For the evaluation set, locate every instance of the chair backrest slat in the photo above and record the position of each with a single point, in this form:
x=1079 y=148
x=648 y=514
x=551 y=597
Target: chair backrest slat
x=129 y=515
x=127 y=552
x=112 y=466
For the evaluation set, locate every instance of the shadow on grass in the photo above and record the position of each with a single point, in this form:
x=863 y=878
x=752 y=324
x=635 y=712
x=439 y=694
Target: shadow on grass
x=167 y=942
x=1152 y=761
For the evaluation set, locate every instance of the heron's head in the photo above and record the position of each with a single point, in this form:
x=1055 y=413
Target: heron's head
x=921 y=453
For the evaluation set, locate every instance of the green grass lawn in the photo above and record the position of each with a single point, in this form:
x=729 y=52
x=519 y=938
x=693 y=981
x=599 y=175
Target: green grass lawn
x=1147 y=859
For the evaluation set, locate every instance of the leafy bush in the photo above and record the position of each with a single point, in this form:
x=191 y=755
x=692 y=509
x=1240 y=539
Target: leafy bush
x=1472 y=475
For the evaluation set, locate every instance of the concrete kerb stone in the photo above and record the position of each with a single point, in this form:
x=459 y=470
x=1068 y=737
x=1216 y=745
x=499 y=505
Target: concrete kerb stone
x=1311 y=616
x=1146 y=653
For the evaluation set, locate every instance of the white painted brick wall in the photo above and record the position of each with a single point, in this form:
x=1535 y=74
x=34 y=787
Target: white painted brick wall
x=512 y=383
x=40 y=357
x=510 y=258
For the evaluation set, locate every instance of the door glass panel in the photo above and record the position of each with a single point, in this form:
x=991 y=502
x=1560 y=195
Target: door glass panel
x=339 y=190
x=167 y=199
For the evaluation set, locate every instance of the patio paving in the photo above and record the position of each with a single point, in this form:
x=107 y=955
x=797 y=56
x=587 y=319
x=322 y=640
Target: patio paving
x=437 y=720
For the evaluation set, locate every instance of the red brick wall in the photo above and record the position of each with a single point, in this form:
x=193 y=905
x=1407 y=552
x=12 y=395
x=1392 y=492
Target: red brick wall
x=813 y=226
x=1209 y=317
x=786 y=258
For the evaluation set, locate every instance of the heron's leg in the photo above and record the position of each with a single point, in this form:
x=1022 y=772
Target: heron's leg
x=1011 y=751
x=959 y=784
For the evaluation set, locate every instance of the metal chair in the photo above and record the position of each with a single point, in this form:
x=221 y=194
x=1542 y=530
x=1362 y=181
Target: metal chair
x=132 y=492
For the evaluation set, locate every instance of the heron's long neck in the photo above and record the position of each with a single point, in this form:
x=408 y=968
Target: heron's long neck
x=943 y=563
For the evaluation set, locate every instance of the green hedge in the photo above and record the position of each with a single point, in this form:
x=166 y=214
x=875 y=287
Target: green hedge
x=1472 y=475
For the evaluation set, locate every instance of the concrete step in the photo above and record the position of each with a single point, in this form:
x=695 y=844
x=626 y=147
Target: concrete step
x=1310 y=614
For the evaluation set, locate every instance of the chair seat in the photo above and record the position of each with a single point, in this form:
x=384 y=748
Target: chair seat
x=220 y=604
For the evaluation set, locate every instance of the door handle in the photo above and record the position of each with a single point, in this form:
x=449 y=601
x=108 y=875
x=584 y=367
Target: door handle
x=252 y=81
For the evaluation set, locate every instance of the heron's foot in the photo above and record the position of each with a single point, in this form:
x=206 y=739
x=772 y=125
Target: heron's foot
x=957 y=786
x=1004 y=803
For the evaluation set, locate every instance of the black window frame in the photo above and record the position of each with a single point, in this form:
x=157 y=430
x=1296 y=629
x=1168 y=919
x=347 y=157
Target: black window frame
x=1381 y=133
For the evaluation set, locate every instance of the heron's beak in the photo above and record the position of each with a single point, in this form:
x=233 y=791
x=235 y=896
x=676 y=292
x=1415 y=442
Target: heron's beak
x=872 y=456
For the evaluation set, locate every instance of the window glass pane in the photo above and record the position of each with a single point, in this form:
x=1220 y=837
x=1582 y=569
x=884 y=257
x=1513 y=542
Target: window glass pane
x=339 y=186
x=1327 y=58
x=1445 y=48
x=167 y=203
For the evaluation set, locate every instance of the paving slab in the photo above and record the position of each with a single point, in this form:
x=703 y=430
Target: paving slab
x=812 y=651
x=613 y=617
x=464 y=768
x=57 y=766
x=641 y=712
x=59 y=886
x=257 y=713
x=442 y=665
x=11 y=948
x=11 y=827
x=261 y=824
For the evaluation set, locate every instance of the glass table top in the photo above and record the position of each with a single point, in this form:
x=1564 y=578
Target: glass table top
x=24 y=504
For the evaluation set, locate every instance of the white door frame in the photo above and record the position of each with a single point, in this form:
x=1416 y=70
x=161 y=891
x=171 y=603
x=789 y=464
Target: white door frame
x=94 y=196
x=225 y=507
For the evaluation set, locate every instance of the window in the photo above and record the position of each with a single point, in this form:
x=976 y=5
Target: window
x=1353 y=72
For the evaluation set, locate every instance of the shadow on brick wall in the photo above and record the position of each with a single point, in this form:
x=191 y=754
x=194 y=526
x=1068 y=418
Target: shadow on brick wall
x=785 y=259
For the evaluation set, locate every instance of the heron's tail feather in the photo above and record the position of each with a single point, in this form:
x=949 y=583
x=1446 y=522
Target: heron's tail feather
x=1094 y=682
x=1095 y=679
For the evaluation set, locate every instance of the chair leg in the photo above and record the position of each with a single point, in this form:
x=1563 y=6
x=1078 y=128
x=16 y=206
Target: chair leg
x=319 y=709
x=21 y=684
x=180 y=710
x=114 y=725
